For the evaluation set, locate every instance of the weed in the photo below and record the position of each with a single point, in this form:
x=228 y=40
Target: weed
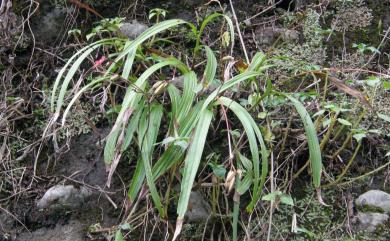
x=189 y=117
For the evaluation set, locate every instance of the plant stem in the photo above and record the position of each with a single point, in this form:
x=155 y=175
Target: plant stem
x=364 y=175
x=345 y=169
x=349 y=137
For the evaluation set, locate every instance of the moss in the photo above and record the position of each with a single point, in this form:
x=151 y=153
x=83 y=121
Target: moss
x=367 y=208
x=351 y=15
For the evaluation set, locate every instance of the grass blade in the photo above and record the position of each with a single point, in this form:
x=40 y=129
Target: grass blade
x=128 y=63
x=206 y=21
x=92 y=46
x=130 y=101
x=233 y=81
x=192 y=162
x=149 y=127
x=75 y=66
x=150 y=32
x=188 y=97
x=254 y=136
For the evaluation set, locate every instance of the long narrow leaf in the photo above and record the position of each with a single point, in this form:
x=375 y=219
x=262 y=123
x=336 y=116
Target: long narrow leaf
x=192 y=162
x=149 y=126
x=312 y=139
x=75 y=66
x=150 y=32
x=245 y=120
x=128 y=63
x=62 y=71
x=188 y=97
x=206 y=21
x=130 y=101
x=233 y=81
x=211 y=67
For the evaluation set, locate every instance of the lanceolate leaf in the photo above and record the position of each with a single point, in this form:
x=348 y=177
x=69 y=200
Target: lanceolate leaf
x=211 y=67
x=257 y=61
x=206 y=21
x=250 y=126
x=132 y=127
x=150 y=32
x=188 y=98
x=147 y=136
x=239 y=111
x=174 y=95
x=229 y=84
x=83 y=53
x=75 y=66
x=130 y=102
x=191 y=164
x=128 y=63
x=314 y=147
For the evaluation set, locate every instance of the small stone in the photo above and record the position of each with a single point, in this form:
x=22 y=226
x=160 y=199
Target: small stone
x=374 y=199
x=248 y=22
x=60 y=196
x=199 y=209
x=268 y=35
x=132 y=29
x=369 y=221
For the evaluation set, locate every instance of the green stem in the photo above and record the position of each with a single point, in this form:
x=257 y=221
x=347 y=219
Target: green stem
x=338 y=179
x=343 y=146
x=364 y=175
x=349 y=137
x=236 y=209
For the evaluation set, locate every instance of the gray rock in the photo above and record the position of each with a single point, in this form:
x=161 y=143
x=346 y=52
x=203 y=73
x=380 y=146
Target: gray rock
x=61 y=196
x=375 y=199
x=268 y=35
x=369 y=221
x=199 y=209
x=132 y=29
x=48 y=25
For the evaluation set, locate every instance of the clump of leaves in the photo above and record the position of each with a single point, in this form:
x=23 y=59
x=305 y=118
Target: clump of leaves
x=189 y=114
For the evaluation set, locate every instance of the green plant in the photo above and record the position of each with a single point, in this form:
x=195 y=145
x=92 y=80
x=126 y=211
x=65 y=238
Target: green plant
x=363 y=48
x=111 y=25
x=188 y=117
x=158 y=13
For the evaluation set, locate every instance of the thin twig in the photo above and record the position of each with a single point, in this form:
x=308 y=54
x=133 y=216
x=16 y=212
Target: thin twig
x=271 y=210
x=264 y=11
x=14 y=217
x=239 y=31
